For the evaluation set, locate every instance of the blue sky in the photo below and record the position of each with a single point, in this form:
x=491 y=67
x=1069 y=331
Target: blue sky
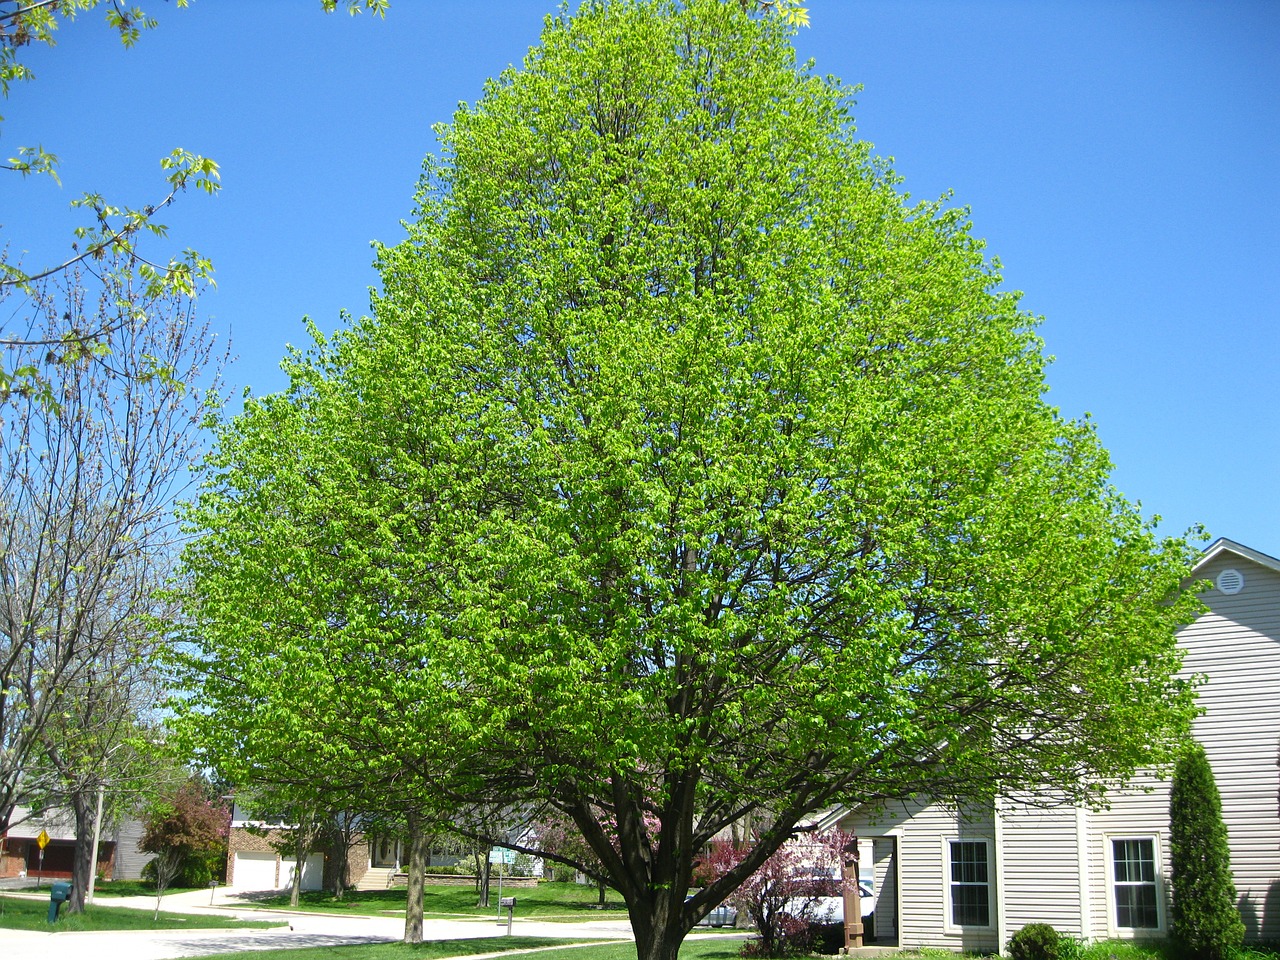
x=1120 y=157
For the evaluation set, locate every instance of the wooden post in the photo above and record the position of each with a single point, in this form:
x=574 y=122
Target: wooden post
x=852 y=895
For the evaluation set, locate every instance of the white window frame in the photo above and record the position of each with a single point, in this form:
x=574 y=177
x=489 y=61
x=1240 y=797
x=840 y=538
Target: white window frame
x=949 y=925
x=1109 y=858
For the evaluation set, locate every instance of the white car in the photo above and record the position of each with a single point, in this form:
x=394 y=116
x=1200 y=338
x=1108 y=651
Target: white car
x=829 y=906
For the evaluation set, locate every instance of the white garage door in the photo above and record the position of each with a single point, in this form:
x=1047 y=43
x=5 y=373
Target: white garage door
x=312 y=872
x=254 y=871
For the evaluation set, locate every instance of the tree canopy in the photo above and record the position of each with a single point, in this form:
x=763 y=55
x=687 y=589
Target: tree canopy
x=684 y=471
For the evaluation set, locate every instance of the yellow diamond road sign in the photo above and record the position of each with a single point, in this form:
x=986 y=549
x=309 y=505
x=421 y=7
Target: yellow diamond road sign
x=43 y=839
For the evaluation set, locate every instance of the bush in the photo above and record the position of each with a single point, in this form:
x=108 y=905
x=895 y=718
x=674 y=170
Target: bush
x=196 y=870
x=1039 y=941
x=453 y=869
x=792 y=937
x=827 y=938
x=1206 y=924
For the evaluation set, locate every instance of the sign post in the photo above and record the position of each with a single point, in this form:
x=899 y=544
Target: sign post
x=42 y=841
x=500 y=856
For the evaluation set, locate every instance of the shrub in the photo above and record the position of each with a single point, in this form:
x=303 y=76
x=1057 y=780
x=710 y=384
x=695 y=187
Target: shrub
x=1206 y=924
x=452 y=869
x=195 y=869
x=827 y=938
x=792 y=937
x=1039 y=941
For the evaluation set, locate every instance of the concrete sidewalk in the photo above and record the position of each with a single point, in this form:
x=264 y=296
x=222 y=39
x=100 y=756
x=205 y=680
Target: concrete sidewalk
x=303 y=930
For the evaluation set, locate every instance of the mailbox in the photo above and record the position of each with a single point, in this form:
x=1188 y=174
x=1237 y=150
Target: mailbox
x=59 y=894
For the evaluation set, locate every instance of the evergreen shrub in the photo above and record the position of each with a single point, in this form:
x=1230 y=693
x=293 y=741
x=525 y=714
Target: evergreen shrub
x=1205 y=922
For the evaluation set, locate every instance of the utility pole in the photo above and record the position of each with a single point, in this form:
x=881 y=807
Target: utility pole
x=97 y=830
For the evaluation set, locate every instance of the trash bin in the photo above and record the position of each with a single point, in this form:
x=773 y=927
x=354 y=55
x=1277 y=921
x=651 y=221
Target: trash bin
x=59 y=894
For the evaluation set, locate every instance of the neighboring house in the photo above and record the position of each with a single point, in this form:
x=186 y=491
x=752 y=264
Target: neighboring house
x=969 y=879
x=255 y=864
x=375 y=861
x=118 y=856
x=129 y=860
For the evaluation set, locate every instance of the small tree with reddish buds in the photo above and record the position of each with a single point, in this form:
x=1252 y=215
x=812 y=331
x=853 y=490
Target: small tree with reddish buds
x=180 y=825
x=780 y=898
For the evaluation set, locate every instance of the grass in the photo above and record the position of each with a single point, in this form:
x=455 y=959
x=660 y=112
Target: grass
x=20 y=913
x=1162 y=950
x=624 y=950
x=546 y=901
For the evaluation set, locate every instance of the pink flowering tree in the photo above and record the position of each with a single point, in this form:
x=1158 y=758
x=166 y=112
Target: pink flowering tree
x=781 y=898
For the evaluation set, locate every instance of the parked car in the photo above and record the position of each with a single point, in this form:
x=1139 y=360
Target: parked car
x=722 y=916
x=826 y=903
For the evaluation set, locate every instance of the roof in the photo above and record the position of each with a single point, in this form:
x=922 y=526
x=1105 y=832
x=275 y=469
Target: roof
x=1223 y=545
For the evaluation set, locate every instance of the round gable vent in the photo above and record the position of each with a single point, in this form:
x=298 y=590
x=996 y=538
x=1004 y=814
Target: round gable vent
x=1230 y=581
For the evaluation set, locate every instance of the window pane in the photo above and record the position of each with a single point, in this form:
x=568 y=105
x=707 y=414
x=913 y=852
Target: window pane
x=1134 y=868
x=970 y=892
x=1135 y=861
x=1136 y=906
x=969 y=905
x=968 y=861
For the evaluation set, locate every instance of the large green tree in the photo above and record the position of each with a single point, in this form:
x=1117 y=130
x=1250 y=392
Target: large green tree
x=684 y=472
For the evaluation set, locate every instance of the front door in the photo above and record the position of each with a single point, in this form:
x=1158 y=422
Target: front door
x=386 y=852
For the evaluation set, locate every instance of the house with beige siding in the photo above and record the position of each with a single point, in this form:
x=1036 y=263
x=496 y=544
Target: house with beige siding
x=968 y=879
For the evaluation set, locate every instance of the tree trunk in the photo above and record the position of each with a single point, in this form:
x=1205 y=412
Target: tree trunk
x=419 y=852
x=601 y=885
x=485 y=870
x=167 y=863
x=84 y=860
x=341 y=865
x=301 y=840
x=301 y=847
x=657 y=927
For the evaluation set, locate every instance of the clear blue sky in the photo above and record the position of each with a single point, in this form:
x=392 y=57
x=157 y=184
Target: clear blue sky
x=1121 y=157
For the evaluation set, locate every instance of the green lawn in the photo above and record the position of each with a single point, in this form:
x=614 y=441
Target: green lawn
x=546 y=901
x=1163 y=950
x=20 y=913
x=692 y=950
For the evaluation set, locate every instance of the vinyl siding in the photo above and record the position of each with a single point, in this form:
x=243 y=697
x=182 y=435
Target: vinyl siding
x=1141 y=811
x=129 y=859
x=1041 y=866
x=923 y=871
x=1237 y=648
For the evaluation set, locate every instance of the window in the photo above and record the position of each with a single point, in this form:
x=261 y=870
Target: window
x=970 y=886
x=1133 y=875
